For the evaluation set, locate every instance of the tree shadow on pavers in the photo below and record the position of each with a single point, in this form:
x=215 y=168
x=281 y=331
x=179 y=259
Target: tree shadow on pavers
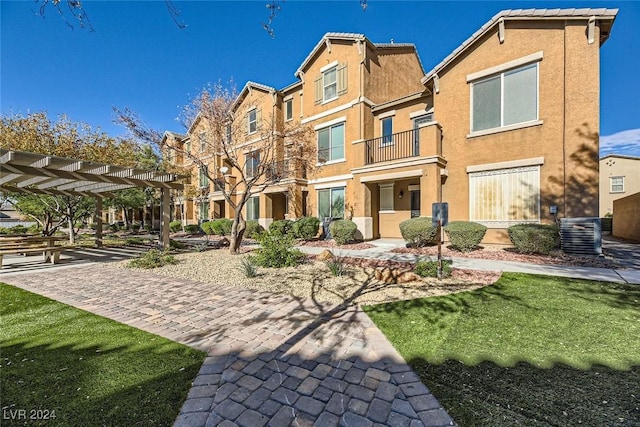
x=487 y=394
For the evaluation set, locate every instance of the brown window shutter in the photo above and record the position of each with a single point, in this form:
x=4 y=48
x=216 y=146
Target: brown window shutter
x=318 y=83
x=259 y=118
x=342 y=79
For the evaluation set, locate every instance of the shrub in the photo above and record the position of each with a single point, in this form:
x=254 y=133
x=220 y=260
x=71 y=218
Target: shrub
x=206 y=227
x=534 y=238
x=221 y=226
x=113 y=227
x=284 y=226
x=306 y=228
x=465 y=236
x=428 y=268
x=337 y=266
x=277 y=251
x=34 y=229
x=418 y=231
x=248 y=267
x=136 y=226
x=147 y=226
x=192 y=228
x=175 y=226
x=153 y=259
x=253 y=229
x=18 y=229
x=134 y=241
x=176 y=244
x=343 y=231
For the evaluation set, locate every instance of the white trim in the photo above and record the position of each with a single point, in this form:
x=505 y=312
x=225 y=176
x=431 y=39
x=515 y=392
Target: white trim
x=331 y=162
x=420 y=113
x=330 y=179
x=326 y=101
x=388 y=176
x=386 y=185
x=534 y=161
x=537 y=56
x=336 y=109
x=387 y=114
x=413 y=187
x=288 y=97
x=386 y=212
x=340 y=184
x=358 y=141
x=505 y=128
x=342 y=119
x=328 y=66
x=406 y=162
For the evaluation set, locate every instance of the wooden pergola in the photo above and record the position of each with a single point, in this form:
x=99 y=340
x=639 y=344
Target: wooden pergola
x=23 y=172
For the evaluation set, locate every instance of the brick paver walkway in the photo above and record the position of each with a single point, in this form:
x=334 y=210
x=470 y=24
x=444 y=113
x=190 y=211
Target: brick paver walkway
x=272 y=359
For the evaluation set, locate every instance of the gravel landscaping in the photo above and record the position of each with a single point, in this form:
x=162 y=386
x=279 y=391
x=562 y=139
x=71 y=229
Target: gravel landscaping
x=313 y=279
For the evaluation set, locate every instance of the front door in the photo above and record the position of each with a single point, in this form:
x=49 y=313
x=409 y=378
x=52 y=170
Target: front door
x=415 y=203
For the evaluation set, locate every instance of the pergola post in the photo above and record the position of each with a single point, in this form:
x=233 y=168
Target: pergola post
x=166 y=218
x=97 y=220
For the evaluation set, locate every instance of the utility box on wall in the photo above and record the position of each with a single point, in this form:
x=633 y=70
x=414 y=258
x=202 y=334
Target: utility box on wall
x=581 y=236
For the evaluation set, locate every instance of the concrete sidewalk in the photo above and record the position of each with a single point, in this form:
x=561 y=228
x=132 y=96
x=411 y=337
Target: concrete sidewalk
x=383 y=247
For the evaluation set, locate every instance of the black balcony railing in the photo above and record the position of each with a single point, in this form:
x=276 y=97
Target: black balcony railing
x=218 y=184
x=290 y=168
x=392 y=147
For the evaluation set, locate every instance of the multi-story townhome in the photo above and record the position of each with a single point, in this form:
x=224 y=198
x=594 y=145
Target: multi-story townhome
x=619 y=177
x=504 y=129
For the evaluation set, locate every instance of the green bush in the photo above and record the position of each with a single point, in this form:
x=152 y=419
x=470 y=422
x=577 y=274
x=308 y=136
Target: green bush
x=192 y=228
x=418 y=231
x=4 y=230
x=206 y=227
x=284 y=226
x=306 y=228
x=221 y=226
x=18 y=229
x=427 y=268
x=253 y=229
x=134 y=241
x=277 y=251
x=343 y=231
x=175 y=226
x=147 y=226
x=34 y=229
x=337 y=266
x=465 y=236
x=174 y=244
x=534 y=238
x=153 y=259
x=113 y=227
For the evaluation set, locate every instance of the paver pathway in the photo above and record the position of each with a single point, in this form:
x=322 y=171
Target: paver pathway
x=272 y=359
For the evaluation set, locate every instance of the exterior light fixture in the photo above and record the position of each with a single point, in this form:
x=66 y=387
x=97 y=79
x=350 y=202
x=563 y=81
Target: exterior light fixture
x=400 y=194
x=224 y=170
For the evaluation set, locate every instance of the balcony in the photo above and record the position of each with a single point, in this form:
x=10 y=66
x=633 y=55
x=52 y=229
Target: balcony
x=424 y=141
x=283 y=169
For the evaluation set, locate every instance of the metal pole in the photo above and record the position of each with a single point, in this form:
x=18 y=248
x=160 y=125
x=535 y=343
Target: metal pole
x=439 y=232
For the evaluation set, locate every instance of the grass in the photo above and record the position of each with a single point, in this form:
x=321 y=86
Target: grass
x=528 y=350
x=86 y=369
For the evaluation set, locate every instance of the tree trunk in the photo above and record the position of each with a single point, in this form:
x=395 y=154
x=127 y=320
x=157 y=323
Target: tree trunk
x=72 y=230
x=237 y=232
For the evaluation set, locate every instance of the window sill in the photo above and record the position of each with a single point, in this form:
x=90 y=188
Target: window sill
x=386 y=212
x=504 y=129
x=331 y=162
x=616 y=192
x=326 y=101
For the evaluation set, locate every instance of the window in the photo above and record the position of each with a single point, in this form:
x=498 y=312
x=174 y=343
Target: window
x=331 y=83
x=187 y=147
x=387 y=131
x=228 y=132
x=203 y=141
x=203 y=178
x=331 y=203
x=251 y=164
x=288 y=109
x=253 y=208
x=204 y=211
x=500 y=198
x=252 y=120
x=386 y=197
x=505 y=99
x=331 y=143
x=617 y=184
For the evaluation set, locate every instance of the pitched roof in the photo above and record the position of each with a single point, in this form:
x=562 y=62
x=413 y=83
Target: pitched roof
x=328 y=36
x=247 y=87
x=519 y=14
x=620 y=156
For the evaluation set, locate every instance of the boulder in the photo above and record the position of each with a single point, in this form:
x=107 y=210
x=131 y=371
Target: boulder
x=325 y=255
x=393 y=275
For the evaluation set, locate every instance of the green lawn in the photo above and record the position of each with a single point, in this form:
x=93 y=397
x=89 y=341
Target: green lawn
x=88 y=370
x=528 y=350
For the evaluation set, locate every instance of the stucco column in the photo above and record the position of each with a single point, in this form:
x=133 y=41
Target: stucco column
x=362 y=211
x=266 y=210
x=429 y=189
x=97 y=220
x=166 y=218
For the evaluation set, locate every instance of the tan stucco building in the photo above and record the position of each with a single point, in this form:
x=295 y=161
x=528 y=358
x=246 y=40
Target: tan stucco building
x=502 y=129
x=619 y=177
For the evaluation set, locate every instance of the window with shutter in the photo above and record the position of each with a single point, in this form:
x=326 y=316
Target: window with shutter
x=342 y=79
x=318 y=91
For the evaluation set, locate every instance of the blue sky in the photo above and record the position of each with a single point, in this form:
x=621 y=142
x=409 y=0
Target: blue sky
x=138 y=58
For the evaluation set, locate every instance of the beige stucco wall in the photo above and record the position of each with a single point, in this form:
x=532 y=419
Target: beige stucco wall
x=568 y=112
x=626 y=217
x=618 y=166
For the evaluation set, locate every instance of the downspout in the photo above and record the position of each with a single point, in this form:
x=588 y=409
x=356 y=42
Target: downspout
x=564 y=124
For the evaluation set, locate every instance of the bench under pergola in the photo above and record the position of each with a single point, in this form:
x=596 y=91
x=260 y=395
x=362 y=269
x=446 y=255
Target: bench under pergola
x=23 y=172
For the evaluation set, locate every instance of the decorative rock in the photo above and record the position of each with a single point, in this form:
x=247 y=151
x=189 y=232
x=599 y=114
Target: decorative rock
x=393 y=276
x=325 y=255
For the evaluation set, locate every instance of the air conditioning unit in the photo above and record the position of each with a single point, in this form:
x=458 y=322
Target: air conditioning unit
x=581 y=236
